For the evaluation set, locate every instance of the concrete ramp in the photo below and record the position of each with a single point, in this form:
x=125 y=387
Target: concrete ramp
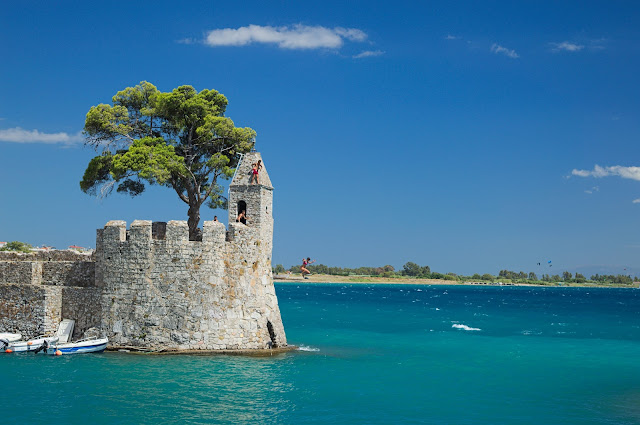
x=65 y=330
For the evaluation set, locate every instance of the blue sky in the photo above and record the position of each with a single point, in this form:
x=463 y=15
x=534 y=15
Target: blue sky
x=467 y=136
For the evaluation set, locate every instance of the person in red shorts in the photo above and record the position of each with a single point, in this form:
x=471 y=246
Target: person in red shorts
x=255 y=168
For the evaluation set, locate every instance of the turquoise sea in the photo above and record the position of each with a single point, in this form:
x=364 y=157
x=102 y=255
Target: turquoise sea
x=370 y=354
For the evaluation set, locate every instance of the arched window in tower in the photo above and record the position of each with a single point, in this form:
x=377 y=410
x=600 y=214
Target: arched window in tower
x=242 y=212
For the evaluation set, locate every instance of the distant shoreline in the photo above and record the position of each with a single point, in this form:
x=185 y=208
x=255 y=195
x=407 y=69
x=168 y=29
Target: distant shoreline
x=323 y=278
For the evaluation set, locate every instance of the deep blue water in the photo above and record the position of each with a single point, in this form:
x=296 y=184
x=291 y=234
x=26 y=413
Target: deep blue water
x=373 y=354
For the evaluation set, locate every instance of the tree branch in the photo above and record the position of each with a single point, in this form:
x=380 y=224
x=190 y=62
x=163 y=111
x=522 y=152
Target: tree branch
x=178 y=191
x=213 y=184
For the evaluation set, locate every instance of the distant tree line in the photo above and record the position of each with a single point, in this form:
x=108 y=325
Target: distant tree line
x=620 y=278
x=385 y=271
x=414 y=270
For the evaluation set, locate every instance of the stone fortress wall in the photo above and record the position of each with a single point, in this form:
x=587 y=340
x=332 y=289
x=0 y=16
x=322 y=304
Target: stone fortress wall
x=151 y=287
x=38 y=289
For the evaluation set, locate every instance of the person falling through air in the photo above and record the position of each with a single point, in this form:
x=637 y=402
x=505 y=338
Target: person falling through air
x=255 y=168
x=303 y=267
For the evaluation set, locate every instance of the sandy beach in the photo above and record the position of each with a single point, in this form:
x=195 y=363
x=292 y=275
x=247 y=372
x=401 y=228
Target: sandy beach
x=322 y=278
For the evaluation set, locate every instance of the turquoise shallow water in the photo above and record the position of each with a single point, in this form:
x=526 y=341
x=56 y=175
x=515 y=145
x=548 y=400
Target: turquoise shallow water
x=379 y=354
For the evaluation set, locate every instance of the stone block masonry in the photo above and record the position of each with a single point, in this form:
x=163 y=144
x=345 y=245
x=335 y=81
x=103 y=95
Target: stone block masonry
x=151 y=287
x=177 y=294
x=35 y=286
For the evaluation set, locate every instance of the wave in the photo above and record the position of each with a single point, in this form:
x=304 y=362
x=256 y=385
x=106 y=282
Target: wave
x=305 y=348
x=464 y=327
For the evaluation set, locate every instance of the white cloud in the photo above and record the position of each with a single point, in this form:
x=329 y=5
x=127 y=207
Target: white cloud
x=632 y=173
x=566 y=46
x=452 y=37
x=19 y=135
x=593 y=189
x=498 y=49
x=368 y=54
x=287 y=37
x=349 y=33
x=636 y=201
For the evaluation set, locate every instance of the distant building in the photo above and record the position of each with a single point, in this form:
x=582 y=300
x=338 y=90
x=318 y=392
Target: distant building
x=42 y=248
x=2 y=244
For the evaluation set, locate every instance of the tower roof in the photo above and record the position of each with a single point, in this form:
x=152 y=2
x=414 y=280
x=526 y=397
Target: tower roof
x=243 y=174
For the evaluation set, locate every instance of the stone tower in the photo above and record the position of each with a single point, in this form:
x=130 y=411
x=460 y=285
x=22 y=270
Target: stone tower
x=255 y=198
x=162 y=290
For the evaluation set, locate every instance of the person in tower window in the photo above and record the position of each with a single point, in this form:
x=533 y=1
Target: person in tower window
x=242 y=217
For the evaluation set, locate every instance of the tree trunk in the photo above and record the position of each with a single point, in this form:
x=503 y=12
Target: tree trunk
x=195 y=233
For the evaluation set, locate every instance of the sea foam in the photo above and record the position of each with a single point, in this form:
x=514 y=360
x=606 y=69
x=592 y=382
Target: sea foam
x=305 y=348
x=464 y=327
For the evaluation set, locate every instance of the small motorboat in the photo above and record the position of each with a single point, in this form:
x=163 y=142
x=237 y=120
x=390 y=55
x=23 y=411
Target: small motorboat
x=31 y=345
x=11 y=343
x=89 y=345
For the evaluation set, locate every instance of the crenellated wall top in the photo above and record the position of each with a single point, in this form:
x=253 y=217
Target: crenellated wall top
x=145 y=231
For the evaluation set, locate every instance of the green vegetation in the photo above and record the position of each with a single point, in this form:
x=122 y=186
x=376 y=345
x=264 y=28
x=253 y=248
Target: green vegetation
x=413 y=270
x=16 y=246
x=180 y=140
x=386 y=271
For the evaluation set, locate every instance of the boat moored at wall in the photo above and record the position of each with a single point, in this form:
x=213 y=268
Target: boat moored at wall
x=93 y=345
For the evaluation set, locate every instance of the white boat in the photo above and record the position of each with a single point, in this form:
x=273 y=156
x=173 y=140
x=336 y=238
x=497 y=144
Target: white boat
x=31 y=345
x=11 y=343
x=9 y=337
x=92 y=345
x=6 y=339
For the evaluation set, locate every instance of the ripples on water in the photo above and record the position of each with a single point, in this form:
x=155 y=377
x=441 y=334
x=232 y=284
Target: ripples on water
x=371 y=354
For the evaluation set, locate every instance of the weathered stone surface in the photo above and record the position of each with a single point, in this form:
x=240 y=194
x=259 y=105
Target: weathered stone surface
x=82 y=305
x=151 y=287
x=77 y=273
x=31 y=290
x=52 y=255
x=29 y=309
x=17 y=272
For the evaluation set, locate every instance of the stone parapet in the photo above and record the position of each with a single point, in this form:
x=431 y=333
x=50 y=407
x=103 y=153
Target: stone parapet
x=59 y=268
x=178 y=294
x=51 y=255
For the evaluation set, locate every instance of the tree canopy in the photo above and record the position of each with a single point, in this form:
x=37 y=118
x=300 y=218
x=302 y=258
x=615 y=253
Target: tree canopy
x=180 y=139
x=16 y=246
